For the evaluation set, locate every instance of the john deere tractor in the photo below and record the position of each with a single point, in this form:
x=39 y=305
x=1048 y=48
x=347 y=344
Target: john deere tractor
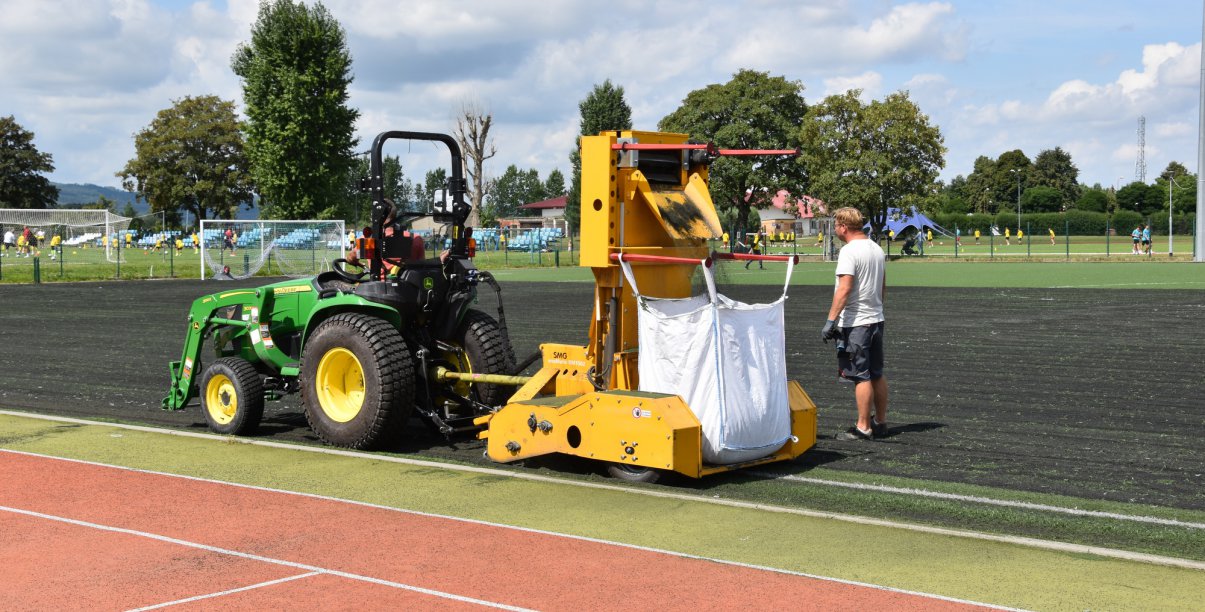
x=365 y=346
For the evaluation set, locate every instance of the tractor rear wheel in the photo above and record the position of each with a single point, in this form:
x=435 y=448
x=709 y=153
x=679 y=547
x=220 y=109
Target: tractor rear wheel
x=232 y=396
x=357 y=381
x=484 y=350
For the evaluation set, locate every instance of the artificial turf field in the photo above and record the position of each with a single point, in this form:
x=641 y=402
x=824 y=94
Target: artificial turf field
x=1092 y=394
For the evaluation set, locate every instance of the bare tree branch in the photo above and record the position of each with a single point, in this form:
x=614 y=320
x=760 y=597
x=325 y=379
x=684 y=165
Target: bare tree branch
x=472 y=132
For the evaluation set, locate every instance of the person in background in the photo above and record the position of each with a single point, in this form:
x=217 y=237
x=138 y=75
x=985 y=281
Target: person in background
x=56 y=247
x=976 y=236
x=1051 y=230
x=1146 y=240
x=855 y=321
x=10 y=242
x=1020 y=235
x=1136 y=236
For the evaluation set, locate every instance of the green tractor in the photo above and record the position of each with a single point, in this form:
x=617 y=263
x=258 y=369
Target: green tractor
x=365 y=345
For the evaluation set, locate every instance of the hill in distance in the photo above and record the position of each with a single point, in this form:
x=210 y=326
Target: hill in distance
x=73 y=195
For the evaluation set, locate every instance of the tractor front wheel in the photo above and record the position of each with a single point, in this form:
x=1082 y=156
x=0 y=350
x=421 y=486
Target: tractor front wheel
x=232 y=396
x=357 y=381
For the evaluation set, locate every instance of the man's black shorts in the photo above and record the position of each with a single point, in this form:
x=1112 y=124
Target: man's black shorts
x=860 y=352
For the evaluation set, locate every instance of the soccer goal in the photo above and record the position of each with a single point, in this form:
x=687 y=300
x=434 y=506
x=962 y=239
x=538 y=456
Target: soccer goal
x=75 y=227
x=235 y=249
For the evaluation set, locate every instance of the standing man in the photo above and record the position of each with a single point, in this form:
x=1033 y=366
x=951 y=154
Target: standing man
x=1146 y=239
x=855 y=321
x=1135 y=236
x=10 y=241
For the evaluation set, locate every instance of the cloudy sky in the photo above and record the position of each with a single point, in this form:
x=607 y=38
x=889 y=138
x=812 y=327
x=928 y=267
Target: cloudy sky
x=85 y=75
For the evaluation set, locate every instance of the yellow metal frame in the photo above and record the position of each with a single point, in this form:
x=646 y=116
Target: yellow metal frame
x=584 y=400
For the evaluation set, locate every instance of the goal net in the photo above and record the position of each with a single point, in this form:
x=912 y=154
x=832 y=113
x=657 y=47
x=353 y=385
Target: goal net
x=85 y=228
x=235 y=249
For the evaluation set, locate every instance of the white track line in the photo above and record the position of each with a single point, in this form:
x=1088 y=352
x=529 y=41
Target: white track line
x=235 y=553
x=511 y=527
x=227 y=592
x=1153 y=520
x=849 y=518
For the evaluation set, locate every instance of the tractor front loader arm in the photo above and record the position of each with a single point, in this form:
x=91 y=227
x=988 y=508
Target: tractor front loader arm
x=203 y=319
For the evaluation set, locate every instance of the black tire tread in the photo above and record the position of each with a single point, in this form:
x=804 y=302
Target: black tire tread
x=495 y=355
x=250 y=389
x=396 y=372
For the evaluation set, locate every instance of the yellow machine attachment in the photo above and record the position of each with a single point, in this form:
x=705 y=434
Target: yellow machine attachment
x=644 y=198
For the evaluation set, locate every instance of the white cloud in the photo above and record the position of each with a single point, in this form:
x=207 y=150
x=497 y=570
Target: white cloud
x=869 y=82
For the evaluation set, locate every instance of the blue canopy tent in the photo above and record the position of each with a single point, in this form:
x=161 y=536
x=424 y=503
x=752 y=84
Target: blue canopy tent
x=899 y=220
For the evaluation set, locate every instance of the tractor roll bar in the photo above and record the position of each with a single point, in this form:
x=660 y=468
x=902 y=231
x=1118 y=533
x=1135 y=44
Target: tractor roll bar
x=457 y=186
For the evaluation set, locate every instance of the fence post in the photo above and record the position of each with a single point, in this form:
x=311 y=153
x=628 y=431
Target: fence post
x=62 y=252
x=171 y=259
x=1067 y=233
x=991 y=240
x=246 y=264
x=118 y=249
x=957 y=239
x=1028 y=239
x=37 y=270
x=1108 y=230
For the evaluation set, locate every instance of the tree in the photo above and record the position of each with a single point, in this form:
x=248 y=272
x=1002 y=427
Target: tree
x=1042 y=199
x=190 y=158
x=554 y=185
x=751 y=111
x=1184 y=190
x=436 y=179
x=473 y=133
x=295 y=72
x=1141 y=198
x=510 y=191
x=602 y=110
x=872 y=156
x=354 y=202
x=952 y=198
x=979 y=185
x=21 y=166
x=1093 y=199
x=1053 y=168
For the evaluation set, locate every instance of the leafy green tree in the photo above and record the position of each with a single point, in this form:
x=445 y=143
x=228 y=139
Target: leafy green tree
x=979 y=187
x=1093 y=199
x=1184 y=188
x=603 y=109
x=190 y=158
x=354 y=204
x=554 y=185
x=1054 y=168
x=872 y=156
x=510 y=191
x=751 y=111
x=1141 y=198
x=952 y=198
x=22 y=184
x=436 y=179
x=1041 y=199
x=1010 y=177
x=296 y=70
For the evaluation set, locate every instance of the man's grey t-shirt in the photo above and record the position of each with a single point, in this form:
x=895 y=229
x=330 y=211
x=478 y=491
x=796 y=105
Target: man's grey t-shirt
x=865 y=261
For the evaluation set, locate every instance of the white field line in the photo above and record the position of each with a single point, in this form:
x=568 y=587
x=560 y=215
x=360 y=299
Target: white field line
x=250 y=587
x=1154 y=520
x=502 y=526
x=1020 y=541
x=235 y=553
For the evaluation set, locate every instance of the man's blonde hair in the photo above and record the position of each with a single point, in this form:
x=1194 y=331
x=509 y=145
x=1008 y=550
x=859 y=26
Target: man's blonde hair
x=850 y=217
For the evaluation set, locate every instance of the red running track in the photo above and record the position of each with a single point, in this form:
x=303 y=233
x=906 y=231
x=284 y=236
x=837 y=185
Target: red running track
x=82 y=536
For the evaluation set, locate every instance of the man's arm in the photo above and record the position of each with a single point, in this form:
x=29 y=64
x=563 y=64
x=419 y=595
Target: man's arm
x=845 y=287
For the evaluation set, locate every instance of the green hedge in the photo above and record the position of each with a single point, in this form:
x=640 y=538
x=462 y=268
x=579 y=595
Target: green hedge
x=1080 y=222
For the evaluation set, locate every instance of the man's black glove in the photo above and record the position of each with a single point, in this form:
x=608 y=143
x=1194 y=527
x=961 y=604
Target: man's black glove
x=829 y=331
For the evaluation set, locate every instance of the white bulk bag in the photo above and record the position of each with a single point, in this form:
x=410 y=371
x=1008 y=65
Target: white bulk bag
x=727 y=360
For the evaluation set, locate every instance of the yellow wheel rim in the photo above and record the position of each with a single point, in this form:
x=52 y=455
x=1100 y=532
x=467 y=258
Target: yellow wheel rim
x=221 y=399
x=459 y=361
x=340 y=382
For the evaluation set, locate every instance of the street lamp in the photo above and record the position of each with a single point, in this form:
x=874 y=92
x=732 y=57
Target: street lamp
x=1017 y=172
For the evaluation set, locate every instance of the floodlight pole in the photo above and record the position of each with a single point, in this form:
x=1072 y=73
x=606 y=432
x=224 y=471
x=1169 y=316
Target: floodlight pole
x=1171 y=182
x=1199 y=239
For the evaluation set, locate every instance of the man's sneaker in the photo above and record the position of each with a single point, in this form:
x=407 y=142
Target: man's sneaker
x=879 y=429
x=853 y=433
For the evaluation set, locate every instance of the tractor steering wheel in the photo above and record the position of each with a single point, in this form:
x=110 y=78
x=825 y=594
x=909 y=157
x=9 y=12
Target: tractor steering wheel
x=338 y=267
